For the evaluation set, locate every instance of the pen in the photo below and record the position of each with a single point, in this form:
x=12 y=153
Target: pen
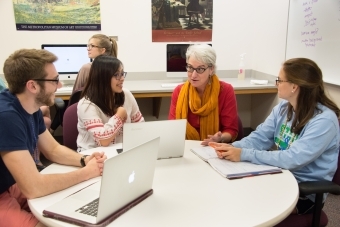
x=212 y=145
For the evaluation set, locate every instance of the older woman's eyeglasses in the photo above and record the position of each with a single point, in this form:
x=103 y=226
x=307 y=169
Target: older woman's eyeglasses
x=278 y=81
x=90 y=46
x=199 y=70
x=119 y=76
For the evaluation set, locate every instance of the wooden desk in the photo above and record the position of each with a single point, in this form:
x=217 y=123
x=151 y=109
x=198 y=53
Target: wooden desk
x=153 y=89
x=189 y=192
x=168 y=94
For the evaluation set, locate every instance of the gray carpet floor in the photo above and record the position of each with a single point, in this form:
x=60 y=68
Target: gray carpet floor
x=332 y=209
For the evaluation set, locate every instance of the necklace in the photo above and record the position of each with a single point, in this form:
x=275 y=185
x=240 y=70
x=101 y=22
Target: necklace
x=281 y=137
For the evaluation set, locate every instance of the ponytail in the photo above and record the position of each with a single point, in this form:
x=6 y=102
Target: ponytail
x=114 y=47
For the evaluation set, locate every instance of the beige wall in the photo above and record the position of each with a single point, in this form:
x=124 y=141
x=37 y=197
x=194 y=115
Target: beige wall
x=265 y=45
x=333 y=92
x=236 y=30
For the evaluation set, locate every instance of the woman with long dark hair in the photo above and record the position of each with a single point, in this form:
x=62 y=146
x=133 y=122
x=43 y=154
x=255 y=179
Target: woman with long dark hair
x=105 y=105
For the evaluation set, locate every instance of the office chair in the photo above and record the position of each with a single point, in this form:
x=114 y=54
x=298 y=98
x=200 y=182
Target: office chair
x=319 y=217
x=70 y=130
x=240 y=134
x=75 y=97
x=61 y=106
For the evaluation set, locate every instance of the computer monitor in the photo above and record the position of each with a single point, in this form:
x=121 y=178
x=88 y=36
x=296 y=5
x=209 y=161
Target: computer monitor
x=71 y=57
x=176 y=60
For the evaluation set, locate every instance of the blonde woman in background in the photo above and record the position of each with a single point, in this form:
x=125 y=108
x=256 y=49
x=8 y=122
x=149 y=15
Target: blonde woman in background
x=98 y=44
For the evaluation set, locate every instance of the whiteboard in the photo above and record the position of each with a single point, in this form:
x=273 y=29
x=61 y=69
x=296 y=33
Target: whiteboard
x=314 y=32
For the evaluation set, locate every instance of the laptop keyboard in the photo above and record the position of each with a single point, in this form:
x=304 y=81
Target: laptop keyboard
x=90 y=209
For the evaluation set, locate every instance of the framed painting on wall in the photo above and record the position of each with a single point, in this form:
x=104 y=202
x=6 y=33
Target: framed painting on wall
x=79 y=15
x=182 y=20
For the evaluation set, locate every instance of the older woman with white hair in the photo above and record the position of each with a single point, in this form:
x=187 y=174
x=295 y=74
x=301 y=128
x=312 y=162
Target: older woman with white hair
x=208 y=104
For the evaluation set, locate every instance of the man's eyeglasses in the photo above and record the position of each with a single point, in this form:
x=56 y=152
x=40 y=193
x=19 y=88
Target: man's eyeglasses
x=278 y=81
x=56 y=81
x=199 y=70
x=119 y=76
x=90 y=46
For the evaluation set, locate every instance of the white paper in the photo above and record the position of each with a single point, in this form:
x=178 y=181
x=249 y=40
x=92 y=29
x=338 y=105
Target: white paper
x=259 y=82
x=205 y=153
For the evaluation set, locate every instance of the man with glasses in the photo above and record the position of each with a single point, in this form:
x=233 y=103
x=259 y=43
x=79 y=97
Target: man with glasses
x=32 y=81
x=208 y=104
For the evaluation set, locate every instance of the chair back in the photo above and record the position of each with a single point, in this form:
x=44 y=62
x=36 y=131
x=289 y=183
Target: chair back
x=75 y=97
x=61 y=106
x=336 y=178
x=70 y=130
x=240 y=129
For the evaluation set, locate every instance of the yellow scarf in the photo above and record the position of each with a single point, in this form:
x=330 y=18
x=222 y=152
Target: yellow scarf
x=207 y=108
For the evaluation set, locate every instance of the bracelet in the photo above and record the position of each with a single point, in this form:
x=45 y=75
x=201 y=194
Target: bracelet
x=82 y=160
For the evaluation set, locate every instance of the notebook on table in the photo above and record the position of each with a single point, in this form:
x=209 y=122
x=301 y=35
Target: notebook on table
x=232 y=170
x=171 y=133
x=126 y=181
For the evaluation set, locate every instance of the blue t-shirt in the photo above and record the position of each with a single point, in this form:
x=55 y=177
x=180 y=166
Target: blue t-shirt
x=19 y=130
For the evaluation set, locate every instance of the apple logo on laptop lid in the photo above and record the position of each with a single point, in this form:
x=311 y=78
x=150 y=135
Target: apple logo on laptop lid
x=132 y=177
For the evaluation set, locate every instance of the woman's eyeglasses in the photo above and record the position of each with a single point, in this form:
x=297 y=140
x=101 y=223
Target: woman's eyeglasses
x=199 y=70
x=119 y=76
x=278 y=81
x=90 y=46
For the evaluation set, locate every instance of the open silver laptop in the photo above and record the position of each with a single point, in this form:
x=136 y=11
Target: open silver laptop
x=126 y=181
x=171 y=133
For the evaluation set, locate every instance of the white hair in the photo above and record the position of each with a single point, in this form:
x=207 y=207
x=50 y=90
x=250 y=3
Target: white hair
x=203 y=53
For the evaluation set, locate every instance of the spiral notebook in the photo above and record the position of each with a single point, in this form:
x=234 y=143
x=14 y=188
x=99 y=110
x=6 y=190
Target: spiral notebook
x=232 y=170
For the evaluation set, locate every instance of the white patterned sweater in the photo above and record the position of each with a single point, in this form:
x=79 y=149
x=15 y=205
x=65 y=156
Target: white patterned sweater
x=94 y=125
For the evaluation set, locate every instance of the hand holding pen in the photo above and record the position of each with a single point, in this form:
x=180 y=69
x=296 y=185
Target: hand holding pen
x=227 y=151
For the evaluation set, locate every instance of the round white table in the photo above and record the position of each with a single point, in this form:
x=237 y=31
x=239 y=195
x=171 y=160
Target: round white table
x=189 y=192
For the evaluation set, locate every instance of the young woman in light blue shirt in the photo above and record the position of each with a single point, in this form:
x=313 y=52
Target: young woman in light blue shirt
x=303 y=130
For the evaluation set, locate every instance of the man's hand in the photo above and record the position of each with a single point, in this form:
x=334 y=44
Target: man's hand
x=99 y=158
